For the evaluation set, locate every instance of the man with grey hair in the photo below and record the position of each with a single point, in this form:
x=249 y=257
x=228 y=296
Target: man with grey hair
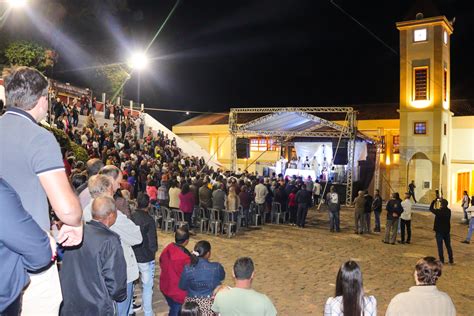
x=98 y=185
x=130 y=234
x=93 y=167
x=31 y=162
x=100 y=261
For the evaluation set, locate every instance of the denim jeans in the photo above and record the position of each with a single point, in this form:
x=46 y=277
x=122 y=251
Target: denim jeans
x=440 y=237
x=175 y=307
x=124 y=306
x=377 y=221
x=471 y=229
x=334 y=220
x=147 y=274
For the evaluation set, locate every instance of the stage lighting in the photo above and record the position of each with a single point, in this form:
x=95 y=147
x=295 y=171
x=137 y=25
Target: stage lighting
x=17 y=3
x=138 y=61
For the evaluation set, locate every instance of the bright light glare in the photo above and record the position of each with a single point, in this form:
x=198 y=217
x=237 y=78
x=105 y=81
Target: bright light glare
x=138 y=61
x=17 y=3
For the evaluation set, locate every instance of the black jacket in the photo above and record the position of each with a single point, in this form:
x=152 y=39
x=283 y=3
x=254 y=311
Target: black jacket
x=94 y=275
x=145 y=252
x=394 y=207
x=303 y=197
x=442 y=222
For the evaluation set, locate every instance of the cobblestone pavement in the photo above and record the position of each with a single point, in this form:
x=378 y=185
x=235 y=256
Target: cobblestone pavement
x=297 y=268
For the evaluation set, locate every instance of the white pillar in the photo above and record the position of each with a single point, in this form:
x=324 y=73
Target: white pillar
x=118 y=101
x=103 y=97
x=143 y=107
x=131 y=105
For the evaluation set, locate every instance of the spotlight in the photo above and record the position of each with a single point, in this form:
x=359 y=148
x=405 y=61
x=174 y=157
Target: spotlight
x=138 y=61
x=17 y=3
x=187 y=112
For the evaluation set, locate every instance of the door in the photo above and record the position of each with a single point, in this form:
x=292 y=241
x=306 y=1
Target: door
x=463 y=184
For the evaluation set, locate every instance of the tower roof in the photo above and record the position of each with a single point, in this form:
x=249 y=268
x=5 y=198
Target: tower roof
x=427 y=7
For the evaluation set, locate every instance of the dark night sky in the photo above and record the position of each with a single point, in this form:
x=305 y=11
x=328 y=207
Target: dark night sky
x=213 y=55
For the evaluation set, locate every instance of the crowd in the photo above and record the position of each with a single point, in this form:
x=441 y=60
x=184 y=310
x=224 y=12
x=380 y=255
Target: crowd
x=106 y=239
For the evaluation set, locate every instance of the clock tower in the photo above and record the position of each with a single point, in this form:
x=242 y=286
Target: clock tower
x=425 y=118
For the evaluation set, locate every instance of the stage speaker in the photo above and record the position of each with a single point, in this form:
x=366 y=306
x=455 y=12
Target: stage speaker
x=341 y=155
x=243 y=148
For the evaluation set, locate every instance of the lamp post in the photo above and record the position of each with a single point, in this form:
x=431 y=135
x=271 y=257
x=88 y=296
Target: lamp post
x=138 y=62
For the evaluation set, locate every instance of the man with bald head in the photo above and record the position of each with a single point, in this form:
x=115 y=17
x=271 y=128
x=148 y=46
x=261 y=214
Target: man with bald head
x=94 y=275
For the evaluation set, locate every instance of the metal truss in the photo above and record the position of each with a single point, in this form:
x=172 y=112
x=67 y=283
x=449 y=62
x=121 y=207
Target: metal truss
x=307 y=109
x=349 y=131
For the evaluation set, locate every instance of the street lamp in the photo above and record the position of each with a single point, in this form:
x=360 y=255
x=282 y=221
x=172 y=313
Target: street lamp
x=17 y=3
x=138 y=61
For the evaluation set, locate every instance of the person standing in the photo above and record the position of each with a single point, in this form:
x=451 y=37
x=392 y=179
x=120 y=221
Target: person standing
x=173 y=259
x=242 y=299
x=394 y=210
x=94 y=275
x=173 y=194
x=334 y=207
x=205 y=195
x=377 y=208
x=19 y=252
x=405 y=219
x=292 y=206
x=146 y=251
x=411 y=189
x=261 y=192
x=201 y=277
x=33 y=166
x=442 y=227
x=317 y=192
x=219 y=197
x=424 y=298
x=465 y=204
x=186 y=203
x=359 y=208
x=470 y=212
x=303 y=200
x=367 y=212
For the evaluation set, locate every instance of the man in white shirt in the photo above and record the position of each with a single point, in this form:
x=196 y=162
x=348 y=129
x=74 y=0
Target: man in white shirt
x=317 y=192
x=405 y=219
x=261 y=192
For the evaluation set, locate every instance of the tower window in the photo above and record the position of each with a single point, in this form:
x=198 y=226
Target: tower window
x=419 y=35
x=445 y=37
x=419 y=128
x=420 y=81
x=445 y=129
x=396 y=144
x=445 y=84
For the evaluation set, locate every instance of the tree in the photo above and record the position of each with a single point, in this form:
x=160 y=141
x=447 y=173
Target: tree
x=111 y=78
x=24 y=53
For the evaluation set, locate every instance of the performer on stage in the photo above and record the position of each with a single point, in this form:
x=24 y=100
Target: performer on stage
x=299 y=163
x=293 y=163
x=281 y=165
x=306 y=164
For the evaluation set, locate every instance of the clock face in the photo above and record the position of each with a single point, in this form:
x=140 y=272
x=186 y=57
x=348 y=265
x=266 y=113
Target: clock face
x=420 y=35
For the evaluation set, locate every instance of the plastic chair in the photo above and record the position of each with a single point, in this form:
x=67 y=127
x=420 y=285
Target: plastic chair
x=155 y=212
x=254 y=214
x=229 y=223
x=277 y=213
x=215 y=222
x=167 y=219
x=203 y=219
x=179 y=219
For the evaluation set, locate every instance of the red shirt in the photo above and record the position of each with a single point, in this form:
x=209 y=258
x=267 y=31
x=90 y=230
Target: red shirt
x=186 y=202
x=172 y=262
x=152 y=192
x=292 y=199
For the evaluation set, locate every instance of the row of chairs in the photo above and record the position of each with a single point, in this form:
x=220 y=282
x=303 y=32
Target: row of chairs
x=215 y=221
